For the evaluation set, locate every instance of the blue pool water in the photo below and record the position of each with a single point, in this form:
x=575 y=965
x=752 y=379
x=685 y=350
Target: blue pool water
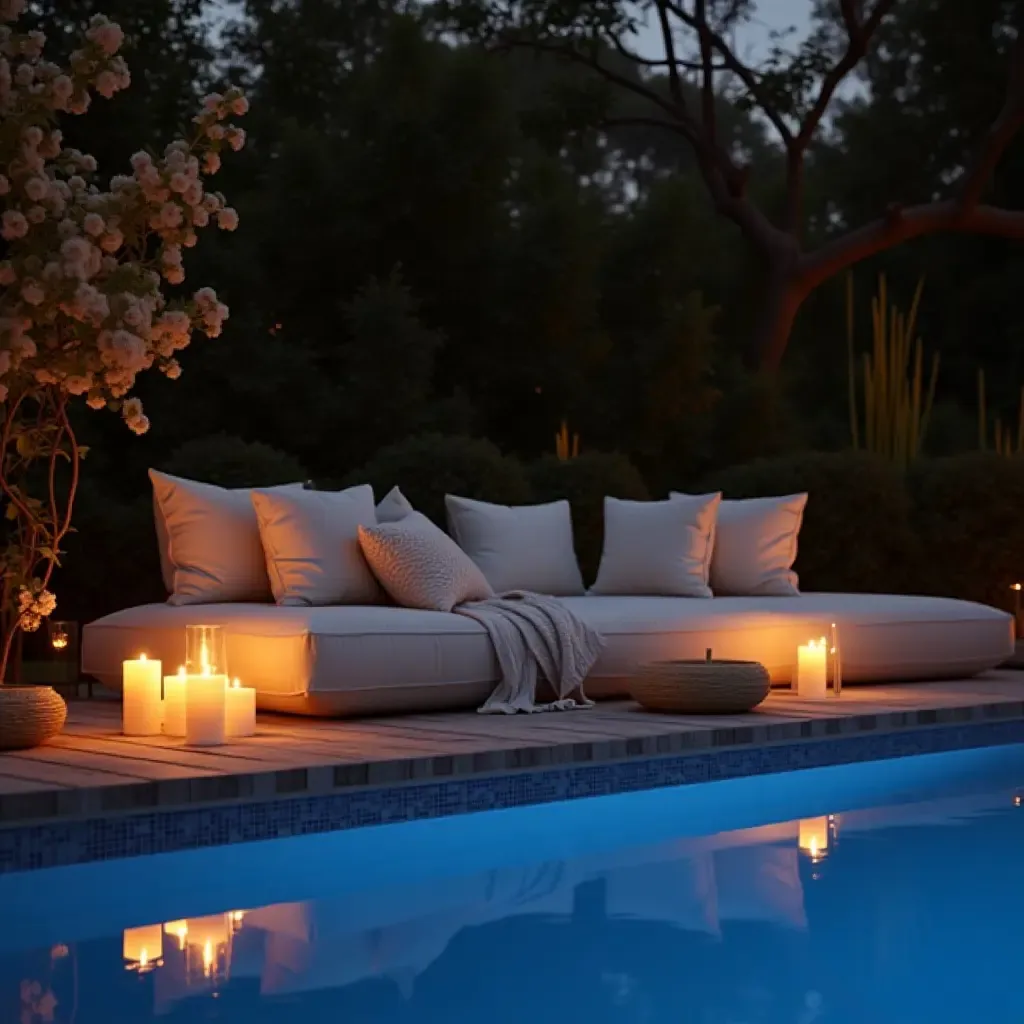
x=874 y=893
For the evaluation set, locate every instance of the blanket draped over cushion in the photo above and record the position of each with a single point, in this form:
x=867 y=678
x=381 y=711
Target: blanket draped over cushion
x=531 y=632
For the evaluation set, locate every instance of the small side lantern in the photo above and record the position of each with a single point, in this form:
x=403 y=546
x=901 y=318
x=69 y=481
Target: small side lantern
x=63 y=666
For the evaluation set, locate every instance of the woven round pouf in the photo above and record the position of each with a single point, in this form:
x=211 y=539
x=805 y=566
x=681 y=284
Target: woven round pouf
x=701 y=687
x=29 y=715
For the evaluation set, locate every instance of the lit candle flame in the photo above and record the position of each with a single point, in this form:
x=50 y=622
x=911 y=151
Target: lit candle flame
x=236 y=684
x=1015 y=586
x=142 y=657
x=181 y=671
x=208 y=957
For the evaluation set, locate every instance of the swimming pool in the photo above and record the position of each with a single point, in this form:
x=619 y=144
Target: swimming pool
x=869 y=893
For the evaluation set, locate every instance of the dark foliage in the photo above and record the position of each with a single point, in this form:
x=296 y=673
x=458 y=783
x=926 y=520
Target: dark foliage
x=430 y=466
x=585 y=481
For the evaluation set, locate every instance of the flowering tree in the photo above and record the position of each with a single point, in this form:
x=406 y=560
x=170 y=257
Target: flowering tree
x=82 y=309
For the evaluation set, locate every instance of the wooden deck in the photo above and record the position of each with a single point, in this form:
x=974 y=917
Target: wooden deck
x=91 y=769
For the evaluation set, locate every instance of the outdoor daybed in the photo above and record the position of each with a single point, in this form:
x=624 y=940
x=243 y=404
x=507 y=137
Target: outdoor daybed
x=334 y=605
x=382 y=659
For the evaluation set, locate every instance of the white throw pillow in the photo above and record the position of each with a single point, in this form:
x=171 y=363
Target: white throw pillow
x=311 y=542
x=755 y=546
x=420 y=566
x=657 y=547
x=393 y=506
x=518 y=547
x=209 y=540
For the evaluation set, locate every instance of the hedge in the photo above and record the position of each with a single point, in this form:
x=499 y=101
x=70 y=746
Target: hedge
x=968 y=514
x=857 y=534
x=429 y=466
x=584 y=481
x=950 y=527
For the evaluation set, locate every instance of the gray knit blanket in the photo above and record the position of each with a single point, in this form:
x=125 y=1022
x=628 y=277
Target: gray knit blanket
x=535 y=636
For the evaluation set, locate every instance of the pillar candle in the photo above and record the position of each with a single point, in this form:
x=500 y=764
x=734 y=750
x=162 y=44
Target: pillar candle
x=204 y=710
x=812 y=670
x=141 y=708
x=175 y=691
x=241 y=710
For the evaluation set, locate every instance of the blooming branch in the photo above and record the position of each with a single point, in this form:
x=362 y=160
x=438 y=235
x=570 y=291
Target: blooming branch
x=82 y=272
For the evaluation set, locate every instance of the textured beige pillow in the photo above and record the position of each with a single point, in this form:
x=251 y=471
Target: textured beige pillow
x=163 y=541
x=420 y=566
x=210 y=548
x=393 y=506
x=755 y=546
x=657 y=547
x=521 y=547
x=311 y=542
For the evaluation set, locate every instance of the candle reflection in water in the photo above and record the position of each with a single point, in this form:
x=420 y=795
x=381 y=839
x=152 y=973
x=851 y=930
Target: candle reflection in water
x=202 y=945
x=207 y=948
x=179 y=929
x=142 y=948
x=816 y=836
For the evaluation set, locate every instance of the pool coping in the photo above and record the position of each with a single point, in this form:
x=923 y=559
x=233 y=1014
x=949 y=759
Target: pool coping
x=150 y=817
x=69 y=804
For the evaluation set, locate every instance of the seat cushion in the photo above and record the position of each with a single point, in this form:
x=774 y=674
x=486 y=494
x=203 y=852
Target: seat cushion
x=209 y=541
x=755 y=546
x=382 y=659
x=311 y=543
x=518 y=547
x=882 y=637
x=657 y=547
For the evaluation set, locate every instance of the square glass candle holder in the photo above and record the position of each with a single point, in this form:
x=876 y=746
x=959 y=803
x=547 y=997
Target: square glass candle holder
x=206 y=683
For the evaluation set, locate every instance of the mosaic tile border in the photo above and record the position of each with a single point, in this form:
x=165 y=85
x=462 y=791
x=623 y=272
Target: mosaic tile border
x=76 y=842
x=19 y=810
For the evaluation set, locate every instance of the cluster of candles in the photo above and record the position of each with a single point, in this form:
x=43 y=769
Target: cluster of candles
x=205 y=940
x=202 y=707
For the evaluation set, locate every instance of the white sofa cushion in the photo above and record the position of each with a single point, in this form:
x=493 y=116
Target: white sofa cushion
x=311 y=543
x=756 y=545
x=657 y=547
x=374 y=659
x=393 y=506
x=209 y=541
x=420 y=566
x=518 y=547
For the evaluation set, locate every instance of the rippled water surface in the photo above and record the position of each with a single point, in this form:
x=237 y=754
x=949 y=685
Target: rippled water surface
x=868 y=894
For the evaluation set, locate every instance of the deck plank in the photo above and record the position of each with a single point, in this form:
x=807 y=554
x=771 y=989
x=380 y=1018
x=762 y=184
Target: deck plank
x=91 y=757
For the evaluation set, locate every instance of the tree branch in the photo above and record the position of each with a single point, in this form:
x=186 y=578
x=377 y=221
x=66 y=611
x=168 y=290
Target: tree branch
x=707 y=91
x=1006 y=125
x=570 y=52
x=725 y=181
x=859 y=36
x=675 y=85
x=747 y=75
x=961 y=213
x=902 y=225
x=659 y=63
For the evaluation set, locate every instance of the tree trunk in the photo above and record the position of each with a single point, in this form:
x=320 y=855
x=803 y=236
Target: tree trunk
x=783 y=296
